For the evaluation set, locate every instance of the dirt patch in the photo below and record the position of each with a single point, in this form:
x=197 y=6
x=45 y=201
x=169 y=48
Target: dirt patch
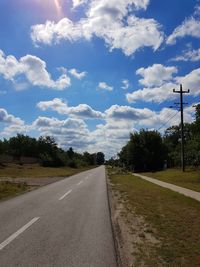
x=134 y=238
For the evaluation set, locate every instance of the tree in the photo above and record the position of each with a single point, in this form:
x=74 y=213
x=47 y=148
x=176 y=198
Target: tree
x=100 y=158
x=144 y=151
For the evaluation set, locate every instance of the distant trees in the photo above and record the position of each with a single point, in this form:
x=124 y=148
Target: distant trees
x=46 y=151
x=144 y=151
x=100 y=158
x=192 y=142
x=148 y=150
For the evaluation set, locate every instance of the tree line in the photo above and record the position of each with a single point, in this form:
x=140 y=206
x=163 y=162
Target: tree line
x=47 y=152
x=151 y=151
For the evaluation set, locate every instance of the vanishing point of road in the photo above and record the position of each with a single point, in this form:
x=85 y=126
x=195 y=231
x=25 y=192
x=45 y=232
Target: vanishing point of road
x=66 y=223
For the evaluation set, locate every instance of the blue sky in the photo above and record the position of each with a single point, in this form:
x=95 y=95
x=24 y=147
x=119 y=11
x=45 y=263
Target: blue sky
x=89 y=72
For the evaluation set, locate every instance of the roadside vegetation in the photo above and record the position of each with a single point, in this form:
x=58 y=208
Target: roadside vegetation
x=148 y=151
x=23 y=149
x=37 y=171
x=189 y=179
x=169 y=232
x=25 y=161
x=8 y=189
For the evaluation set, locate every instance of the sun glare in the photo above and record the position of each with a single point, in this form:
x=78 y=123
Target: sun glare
x=58 y=6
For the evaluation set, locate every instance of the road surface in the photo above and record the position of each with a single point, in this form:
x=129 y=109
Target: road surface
x=66 y=223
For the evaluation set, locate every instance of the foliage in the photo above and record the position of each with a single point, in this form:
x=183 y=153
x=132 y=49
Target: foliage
x=191 y=139
x=100 y=158
x=144 y=151
x=47 y=152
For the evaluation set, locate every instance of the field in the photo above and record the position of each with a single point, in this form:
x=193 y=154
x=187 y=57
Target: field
x=189 y=179
x=37 y=171
x=170 y=222
x=16 y=179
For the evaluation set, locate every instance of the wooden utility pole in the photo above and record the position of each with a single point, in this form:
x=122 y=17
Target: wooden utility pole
x=181 y=92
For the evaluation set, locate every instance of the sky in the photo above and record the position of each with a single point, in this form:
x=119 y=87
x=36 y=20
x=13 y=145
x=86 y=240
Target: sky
x=90 y=72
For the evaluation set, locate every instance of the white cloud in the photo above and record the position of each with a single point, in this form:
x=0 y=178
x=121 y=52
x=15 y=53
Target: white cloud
x=125 y=84
x=105 y=86
x=13 y=125
x=78 y=75
x=109 y=137
x=156 y=74
x=109 y=20
x=117 y=113
x=8 y=118
x=153 y=94
x=191 y=81
x=165 y=91
x=33 y=68
x=77 y=3
x=189 y=27
x=70 y=132
x=188 y=55
x=80 y=111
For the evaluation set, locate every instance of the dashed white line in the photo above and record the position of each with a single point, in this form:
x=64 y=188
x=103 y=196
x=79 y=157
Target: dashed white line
x=16 y=234
x=65 y=194
x=80 y=183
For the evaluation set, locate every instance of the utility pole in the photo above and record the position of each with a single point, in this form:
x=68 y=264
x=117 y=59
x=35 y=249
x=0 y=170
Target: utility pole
x=181 y=92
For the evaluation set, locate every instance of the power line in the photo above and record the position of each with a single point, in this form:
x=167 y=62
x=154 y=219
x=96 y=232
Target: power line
x=168 y=120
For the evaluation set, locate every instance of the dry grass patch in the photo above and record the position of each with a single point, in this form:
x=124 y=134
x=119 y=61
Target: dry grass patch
x=37 y=171
x=173 y=219
x=8 y=189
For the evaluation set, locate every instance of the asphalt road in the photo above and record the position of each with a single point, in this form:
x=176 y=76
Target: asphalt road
x=66 y=223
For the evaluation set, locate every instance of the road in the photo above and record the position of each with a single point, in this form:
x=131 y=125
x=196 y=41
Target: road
x=66 y=223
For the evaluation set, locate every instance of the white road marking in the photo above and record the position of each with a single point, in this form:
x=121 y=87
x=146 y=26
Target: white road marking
x=80 y=183
x=65 y=194
x=16 y=234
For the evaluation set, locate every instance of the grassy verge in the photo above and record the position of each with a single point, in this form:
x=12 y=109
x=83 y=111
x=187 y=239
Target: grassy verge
x=8 y=189
x=189 y=179
x=172 y=218
x=36 y=171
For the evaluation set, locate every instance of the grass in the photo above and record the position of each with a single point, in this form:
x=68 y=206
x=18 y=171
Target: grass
x=36 y=171
x=8 y=189
x=175 y=218
x=189 y=179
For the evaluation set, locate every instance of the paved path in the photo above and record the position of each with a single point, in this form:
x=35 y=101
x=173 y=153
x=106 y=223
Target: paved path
x=62 y=224
x=181 y=190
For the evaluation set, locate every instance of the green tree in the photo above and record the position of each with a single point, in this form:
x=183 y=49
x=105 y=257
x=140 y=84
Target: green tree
x=100 y=158
x=144 y=151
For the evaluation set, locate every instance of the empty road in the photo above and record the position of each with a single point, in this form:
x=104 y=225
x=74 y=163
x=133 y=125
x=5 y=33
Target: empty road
x=66 y=223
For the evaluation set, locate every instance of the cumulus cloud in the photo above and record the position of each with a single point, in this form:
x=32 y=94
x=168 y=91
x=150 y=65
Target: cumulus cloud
x=191 y=81
x=78 y=75
x=33 y=68
x=8 y=118
x=156 y=74
x=117 y=112
x=159 y=82
x=77 y=3
x=109 y=20
x=80 y=111
x=70 y=132
x=164 y=92
x=105 y=86
x=13 y=125
x=125 y=84
x=153 y=94
x=189 y=27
